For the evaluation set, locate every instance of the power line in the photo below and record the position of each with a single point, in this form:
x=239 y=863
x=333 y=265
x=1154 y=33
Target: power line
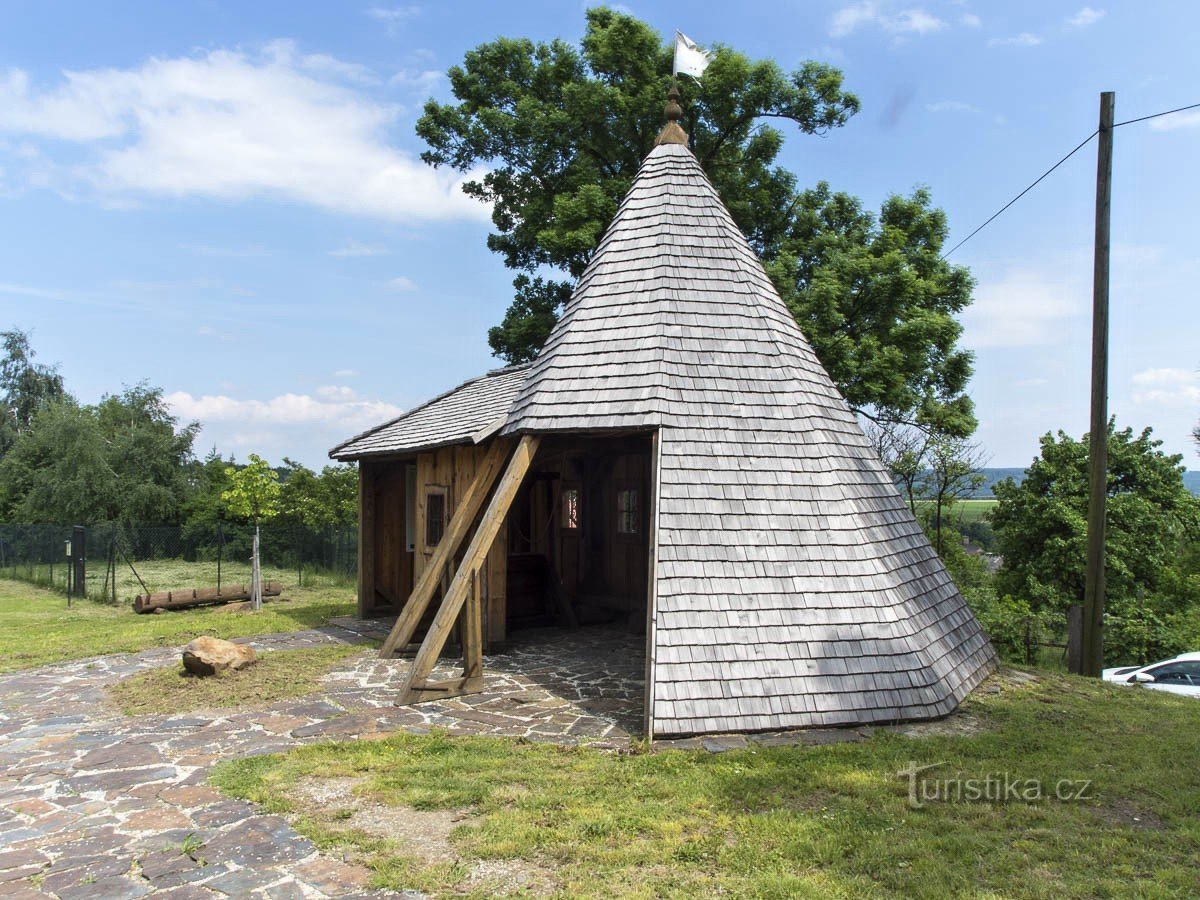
x=1156 y=115
x=998 y=212
x=1078 y=147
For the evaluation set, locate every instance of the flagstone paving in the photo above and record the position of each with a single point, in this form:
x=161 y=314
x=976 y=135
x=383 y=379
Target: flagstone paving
x=95 y=804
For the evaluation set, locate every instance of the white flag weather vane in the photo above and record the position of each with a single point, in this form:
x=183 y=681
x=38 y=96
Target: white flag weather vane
x=689 y=58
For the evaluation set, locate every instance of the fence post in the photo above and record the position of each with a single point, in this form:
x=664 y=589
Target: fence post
x=79 y=551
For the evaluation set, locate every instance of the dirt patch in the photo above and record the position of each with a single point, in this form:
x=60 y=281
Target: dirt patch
x=423 y=835
x=1123 y=813
x=954 y=725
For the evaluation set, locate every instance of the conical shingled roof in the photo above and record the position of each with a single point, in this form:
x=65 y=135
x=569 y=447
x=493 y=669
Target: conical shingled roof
x=793 y=588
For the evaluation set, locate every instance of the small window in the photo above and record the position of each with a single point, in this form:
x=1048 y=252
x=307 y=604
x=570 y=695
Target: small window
x=570 y=509
x=629 y=512
x=435 y=516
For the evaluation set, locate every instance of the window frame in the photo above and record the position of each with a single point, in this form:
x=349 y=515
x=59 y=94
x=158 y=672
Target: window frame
x=639 y=510
x=564 y=521
x=434 y=490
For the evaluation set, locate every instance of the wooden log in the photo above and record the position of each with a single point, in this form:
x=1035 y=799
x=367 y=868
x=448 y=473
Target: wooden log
x=460 y=523
x=183 y=599
x=455 y=598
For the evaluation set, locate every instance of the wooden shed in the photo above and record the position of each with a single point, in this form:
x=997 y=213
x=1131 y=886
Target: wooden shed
x=677 y=460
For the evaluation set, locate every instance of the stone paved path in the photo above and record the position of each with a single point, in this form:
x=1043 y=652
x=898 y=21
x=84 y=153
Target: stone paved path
x=95 y=804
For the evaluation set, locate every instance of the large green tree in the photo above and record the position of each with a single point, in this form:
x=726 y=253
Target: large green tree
x=124 y=459
x=559 y=131
x=25 y=386
x=1041 y=524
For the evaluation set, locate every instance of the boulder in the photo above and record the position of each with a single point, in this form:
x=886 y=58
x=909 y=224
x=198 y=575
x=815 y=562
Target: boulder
x=209 y=655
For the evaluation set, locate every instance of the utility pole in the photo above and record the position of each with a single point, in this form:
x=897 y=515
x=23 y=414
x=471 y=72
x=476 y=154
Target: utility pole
x=1092 y=658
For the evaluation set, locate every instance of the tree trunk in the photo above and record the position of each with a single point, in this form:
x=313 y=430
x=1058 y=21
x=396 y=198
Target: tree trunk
x=255 y=575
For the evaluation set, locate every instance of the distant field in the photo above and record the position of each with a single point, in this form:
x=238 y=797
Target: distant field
x=968 y=511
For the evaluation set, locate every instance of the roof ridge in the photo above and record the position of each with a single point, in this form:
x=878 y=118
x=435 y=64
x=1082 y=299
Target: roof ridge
x=491 y=373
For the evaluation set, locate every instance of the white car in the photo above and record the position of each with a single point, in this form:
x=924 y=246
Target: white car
x=1178 y=675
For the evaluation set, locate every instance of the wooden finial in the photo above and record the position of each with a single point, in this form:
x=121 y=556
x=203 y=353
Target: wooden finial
x=672 y=132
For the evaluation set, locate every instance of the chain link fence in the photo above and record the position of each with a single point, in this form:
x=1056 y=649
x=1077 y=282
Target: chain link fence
x=113 y=563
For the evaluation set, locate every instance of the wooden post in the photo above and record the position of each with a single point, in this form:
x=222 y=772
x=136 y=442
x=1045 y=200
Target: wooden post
x=366 y=538
x=460 y=523
x=416 y=687
x=1093 y=596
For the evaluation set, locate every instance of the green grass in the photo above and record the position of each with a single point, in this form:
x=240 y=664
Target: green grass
x=275 y=676
x=966 y=511
x=166 y=575
x=819 y=821
x=37 y=627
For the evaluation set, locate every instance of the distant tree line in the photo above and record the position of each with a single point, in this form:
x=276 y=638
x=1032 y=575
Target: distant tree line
x=127 y=460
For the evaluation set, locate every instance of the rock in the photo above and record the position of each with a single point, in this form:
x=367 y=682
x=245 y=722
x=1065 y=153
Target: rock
x=209 y=655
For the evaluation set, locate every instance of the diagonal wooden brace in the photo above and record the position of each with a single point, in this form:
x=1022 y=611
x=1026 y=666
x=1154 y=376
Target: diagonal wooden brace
x=460 y=524
x=462 y=587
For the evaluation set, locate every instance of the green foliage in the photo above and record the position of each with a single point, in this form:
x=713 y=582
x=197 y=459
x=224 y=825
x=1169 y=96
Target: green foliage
x=1136 y=633
x=253 y=492
x=124 y=460
x=330 y=498
x=878 y=304
x=1041 y=524
x=26 y=387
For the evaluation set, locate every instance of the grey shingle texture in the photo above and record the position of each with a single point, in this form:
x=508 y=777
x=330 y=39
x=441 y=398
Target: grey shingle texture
x=452 y=418
x=793 y=587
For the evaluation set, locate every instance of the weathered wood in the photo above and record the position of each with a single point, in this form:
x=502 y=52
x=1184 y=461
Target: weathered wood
x=476 y=552
x=182 y=599
x=472 y=630
x=366 y=539
x=460 y=524
x=1092 y=658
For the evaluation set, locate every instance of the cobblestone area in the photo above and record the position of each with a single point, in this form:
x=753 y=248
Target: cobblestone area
x=94 y=804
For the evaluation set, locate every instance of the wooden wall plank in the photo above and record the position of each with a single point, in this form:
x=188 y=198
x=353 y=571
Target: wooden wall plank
x=453 y=537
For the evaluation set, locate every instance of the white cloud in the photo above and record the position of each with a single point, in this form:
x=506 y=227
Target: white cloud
x=1022 y=308
x=1167 y=387
x=1024 y=39
x=1178 y=120
x=393 y=17
x=401 y=284
x=970 y=20
x=25 y=290
x=354 y=248
x=230 y=125
x=231 y=252
x=1086 y=16
x=416 y=81
x=331 y=406
x=951 y=106
x=871 y=13
x=345 y=373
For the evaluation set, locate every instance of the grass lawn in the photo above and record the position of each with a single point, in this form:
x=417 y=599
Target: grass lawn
x=278 y=675
x=37 y=627
x=781 y=822
x=967 y=511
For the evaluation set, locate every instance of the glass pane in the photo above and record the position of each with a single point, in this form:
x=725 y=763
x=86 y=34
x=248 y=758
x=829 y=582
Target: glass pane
x=435 y=518
x=570 y=508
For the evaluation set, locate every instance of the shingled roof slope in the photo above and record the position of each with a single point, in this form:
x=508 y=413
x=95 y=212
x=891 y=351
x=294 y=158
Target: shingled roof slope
x=793 y=587
x=451 y=418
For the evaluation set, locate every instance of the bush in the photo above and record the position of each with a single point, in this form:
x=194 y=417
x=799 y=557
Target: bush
x=1135 y=633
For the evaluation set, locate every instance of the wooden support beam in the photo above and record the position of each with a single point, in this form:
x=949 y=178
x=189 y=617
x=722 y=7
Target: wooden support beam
x=460 y=523
x=460 y=587
x=366 y=538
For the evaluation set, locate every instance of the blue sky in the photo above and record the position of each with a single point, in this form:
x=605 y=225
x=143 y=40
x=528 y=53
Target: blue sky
x=225 y=198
